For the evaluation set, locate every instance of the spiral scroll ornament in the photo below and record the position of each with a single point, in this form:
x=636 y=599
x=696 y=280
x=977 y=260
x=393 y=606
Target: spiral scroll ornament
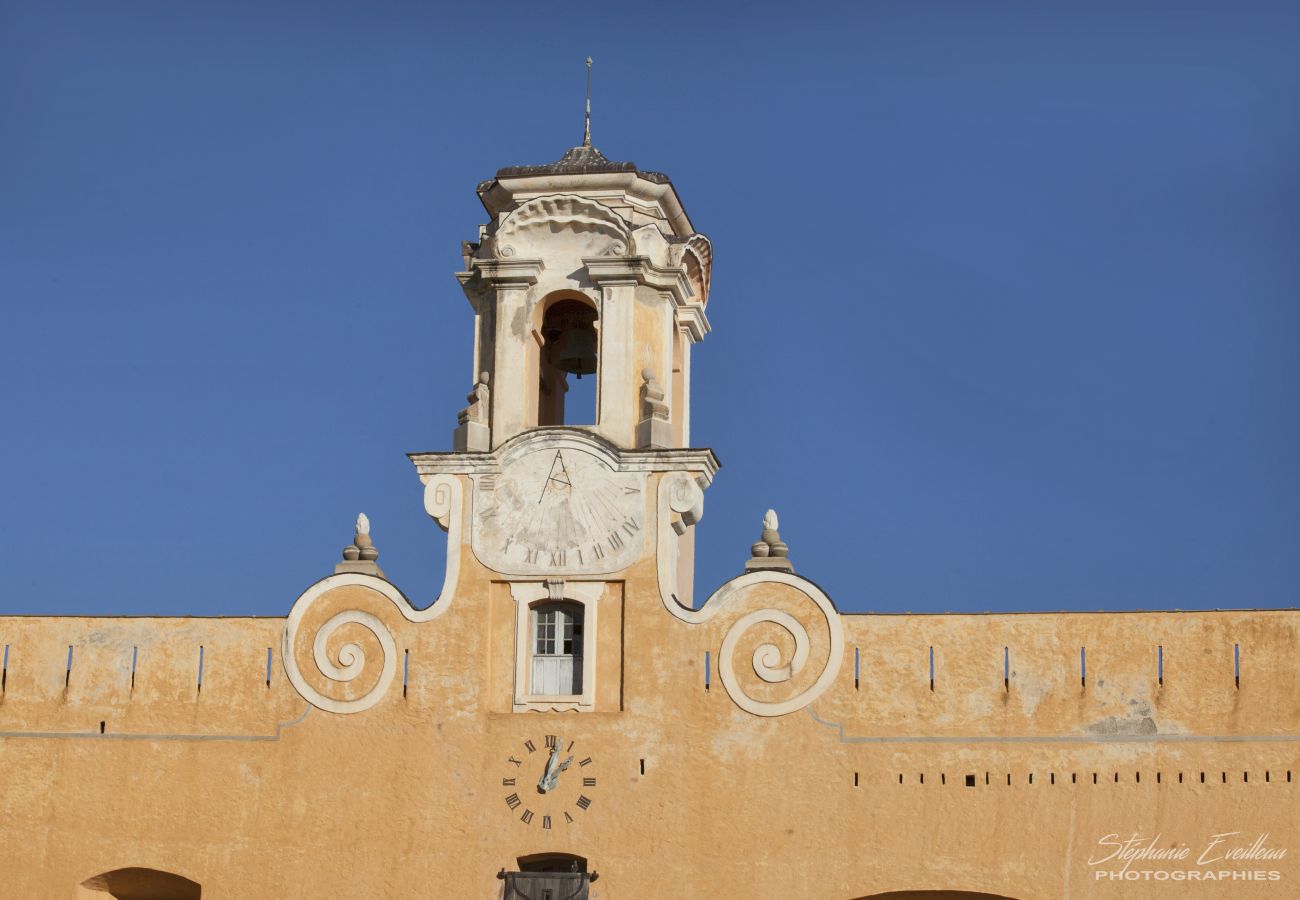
x=443 y=499
x=680 y=506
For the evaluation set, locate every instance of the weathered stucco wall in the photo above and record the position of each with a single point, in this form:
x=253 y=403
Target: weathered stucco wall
x=248 y=790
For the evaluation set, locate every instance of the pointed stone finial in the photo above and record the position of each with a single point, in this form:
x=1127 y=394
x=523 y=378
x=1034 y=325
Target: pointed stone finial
x=360 y=555
x=770 y=552
x=472 y=433
x=654 y=430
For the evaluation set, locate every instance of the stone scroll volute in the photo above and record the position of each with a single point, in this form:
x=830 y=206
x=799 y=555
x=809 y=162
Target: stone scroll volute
x=780 y=640
x=339 y=651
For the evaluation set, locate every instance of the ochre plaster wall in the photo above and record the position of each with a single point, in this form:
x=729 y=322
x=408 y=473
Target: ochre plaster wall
x=246 y=789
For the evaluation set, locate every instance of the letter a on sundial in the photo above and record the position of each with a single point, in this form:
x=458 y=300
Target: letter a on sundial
x=558 y=479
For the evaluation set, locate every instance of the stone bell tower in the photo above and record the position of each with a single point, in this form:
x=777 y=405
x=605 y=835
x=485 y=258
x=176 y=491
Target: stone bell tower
x=586 y=267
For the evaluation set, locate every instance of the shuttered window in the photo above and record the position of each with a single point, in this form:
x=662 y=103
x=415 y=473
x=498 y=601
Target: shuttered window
x=557 y=649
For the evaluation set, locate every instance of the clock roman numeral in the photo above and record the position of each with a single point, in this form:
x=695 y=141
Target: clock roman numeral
x=532 y=748
x=584 y=801
x=585 y=762
x=598 y=551
x=507 y=782
x=568 y=818
x=517 y=762
x=552 y=741
x=527 y=817
x=570 y=747
x=588 y=782
x=631 y=527
x=513 y=801
x=532 y=554
x=557 y=557
x=615 y=540
x=546 y=821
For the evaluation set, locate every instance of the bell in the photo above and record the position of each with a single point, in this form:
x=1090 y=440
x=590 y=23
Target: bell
x=577 y=351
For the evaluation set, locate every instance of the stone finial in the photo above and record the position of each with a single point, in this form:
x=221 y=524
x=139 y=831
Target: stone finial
x=769 y=552
x=472 y=432
x=654 y=430
x=360 y=555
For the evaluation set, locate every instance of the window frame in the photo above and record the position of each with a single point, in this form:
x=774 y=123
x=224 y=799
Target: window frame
x=529 y=595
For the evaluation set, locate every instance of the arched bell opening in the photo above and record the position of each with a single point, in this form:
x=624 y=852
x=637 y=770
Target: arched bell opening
x=137 y=883
x=569 y=361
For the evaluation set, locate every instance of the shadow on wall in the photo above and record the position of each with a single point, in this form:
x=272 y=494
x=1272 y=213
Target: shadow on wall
x=935 y=895
x=139 y=884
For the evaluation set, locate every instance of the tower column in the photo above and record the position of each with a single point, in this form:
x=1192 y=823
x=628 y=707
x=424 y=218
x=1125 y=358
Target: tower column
x=618 y=401
x=505 y=285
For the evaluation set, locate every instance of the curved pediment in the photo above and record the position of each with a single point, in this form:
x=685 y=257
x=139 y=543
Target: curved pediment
x=537 y=227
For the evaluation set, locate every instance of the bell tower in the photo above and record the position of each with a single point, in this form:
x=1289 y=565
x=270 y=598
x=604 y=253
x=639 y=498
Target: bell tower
x=586 y=268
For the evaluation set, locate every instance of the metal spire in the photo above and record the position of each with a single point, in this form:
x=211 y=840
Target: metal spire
x=586 y=137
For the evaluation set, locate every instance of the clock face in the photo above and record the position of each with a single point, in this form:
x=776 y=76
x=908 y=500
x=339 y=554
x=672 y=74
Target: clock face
x=558 y=510
x=549 y=784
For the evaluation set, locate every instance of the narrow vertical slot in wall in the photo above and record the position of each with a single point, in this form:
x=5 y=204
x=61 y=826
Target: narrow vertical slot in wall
x=1236 y=664
x=1083 y=667
x=932 y=668
x=67 y=673
x=200 y=668
x=857 y=667
x=135 y=659
x=268 y=666
x=642 y=766
x=1006 y=669
x=4 y=672
x=855 y=779
x=406 y=669
x=708 y=670
x=1160 y=664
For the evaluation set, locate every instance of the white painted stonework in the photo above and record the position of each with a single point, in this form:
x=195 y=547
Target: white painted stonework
x=558 y=509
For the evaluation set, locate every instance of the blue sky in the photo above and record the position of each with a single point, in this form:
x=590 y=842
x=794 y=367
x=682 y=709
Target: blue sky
x=1006 y=303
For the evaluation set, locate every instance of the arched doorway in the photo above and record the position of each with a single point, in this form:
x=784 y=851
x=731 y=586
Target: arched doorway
x=136 y=883
x=935 y=895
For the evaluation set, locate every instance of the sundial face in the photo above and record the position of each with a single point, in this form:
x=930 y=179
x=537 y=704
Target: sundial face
x=559 y=510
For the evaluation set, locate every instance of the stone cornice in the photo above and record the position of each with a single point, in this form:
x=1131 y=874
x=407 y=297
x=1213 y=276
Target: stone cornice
x=671 y=280
x=700 y=462
x=521 y=272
